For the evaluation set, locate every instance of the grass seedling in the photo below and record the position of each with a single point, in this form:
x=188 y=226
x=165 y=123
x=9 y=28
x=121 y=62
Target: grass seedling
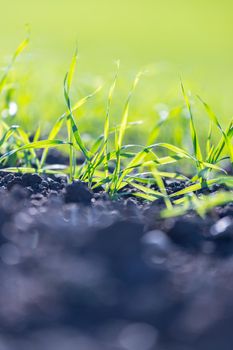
x=114 y=164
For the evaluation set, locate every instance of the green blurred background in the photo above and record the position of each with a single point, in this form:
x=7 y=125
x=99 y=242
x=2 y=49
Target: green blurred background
x=169 y=38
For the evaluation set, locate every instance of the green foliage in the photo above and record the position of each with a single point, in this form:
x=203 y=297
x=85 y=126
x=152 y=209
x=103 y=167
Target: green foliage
x=112 y=163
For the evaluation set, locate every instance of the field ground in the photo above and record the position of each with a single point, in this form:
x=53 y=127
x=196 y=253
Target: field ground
x=116 y=201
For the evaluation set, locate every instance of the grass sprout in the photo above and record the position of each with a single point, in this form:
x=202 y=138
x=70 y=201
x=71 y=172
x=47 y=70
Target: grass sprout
x=202 y=204
x=109 y=161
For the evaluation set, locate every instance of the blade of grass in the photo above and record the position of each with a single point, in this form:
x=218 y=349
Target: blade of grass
x=120 y=136
x=201 y=205
x=107 y=122
x=161 y=187
x=35 y=145
x=215 y=120
x=8 y=134
x=227 y=180
x=196 y=145
x=22 y=46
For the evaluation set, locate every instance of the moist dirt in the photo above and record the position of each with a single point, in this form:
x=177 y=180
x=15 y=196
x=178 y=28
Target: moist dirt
x=79 y=271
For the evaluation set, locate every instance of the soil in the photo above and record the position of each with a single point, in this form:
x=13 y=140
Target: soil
x=79 y=271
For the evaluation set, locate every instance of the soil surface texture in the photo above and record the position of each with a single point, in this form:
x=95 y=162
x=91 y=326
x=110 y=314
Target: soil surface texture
x=79 y=271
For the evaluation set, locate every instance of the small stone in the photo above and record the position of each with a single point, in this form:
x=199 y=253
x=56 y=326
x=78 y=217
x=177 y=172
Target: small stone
x=222 y=229
x=222 y=234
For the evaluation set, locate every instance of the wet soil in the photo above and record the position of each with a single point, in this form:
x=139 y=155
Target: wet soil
x=80 y=271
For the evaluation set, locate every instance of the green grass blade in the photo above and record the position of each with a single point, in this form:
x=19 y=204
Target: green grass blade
x=35 y=145
x=71 y=71
x=55 y=130
x=126 y=112
x=226 y=180
x=79 y=143
x=22 y=170
x=147 y=197
x=8 y=134
x=225 y=139
x=119 y=136
x=107 y=121
x=196 y=146
x=37 y=134
x=147 y=190
x=22 y=46
x=58 y=125
x=215 y=120
x=201 y=205
x=162 y=188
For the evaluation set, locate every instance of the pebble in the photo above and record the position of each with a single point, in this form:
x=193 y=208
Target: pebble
x=222 y=229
